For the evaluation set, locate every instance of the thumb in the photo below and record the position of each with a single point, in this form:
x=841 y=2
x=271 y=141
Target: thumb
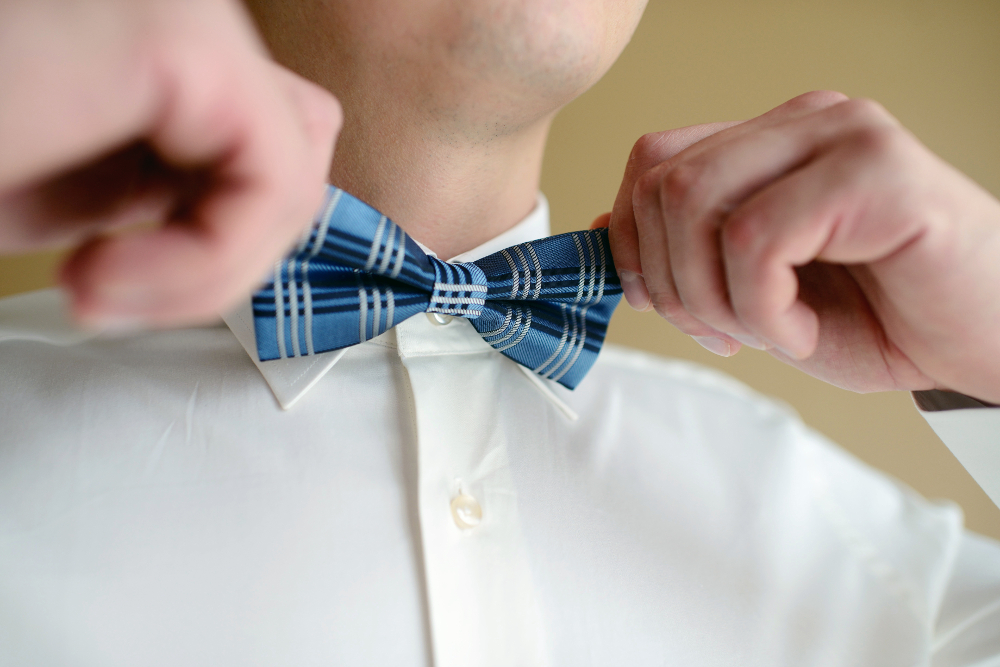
x=601 y=221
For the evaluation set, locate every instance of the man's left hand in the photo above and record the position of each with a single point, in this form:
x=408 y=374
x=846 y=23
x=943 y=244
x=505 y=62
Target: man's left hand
x=824 y=232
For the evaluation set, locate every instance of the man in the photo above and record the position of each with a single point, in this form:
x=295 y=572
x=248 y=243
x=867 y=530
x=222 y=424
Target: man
x=423 y=499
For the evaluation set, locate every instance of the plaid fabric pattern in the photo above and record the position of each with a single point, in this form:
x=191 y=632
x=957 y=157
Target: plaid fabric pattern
x=544 y=304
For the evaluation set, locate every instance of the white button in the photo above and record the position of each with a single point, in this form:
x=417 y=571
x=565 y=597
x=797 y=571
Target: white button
x=439 y=320
x=466 y=512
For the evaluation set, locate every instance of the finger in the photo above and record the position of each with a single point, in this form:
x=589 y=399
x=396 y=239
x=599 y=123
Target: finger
x=847 y=320
x=687 y=185
x=654 y=149
x=88 y=82
x=82 y=79
x=699 y=193
x=815 y=213
x=264 y=195
x=800 y=106
x=649 y=151
x=73 y=87
x=127 y=187
x=697 y=269
x=655 y=256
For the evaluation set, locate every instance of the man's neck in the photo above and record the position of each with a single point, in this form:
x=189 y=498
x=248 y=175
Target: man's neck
x=446 y=106
x=451 y=193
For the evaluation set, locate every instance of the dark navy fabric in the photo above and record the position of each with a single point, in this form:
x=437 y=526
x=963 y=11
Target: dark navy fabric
x=545 y=304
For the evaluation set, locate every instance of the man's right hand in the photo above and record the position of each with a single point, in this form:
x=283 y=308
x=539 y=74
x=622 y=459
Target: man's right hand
x=114 y=112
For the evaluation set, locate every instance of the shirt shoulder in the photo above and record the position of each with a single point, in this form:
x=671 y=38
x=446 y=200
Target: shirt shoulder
x=650 y=379
x=49 y=365
x=755 y=452
x=43 y=316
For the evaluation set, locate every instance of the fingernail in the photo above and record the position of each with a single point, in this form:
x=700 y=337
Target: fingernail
x=635 y=290
x=714 y=345
x=750 y=341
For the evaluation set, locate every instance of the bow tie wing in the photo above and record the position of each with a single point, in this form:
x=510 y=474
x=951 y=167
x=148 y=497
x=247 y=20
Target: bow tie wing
x=544 y=304
x=353 y=260
x=549 y=302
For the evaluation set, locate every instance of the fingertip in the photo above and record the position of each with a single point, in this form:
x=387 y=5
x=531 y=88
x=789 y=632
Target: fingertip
x=635 y=290
x=602 y=221
x=798 y=334
x=97 y=298
x=156 y=278
x=73 y=276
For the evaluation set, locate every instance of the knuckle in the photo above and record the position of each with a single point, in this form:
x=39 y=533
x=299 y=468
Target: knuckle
x=653 y=148
x=878 y=141
x=743 y=232
x=643 y=146
x=646 y=192
x=817 y=99
x=320 y=113
x=682 y=185
x=668 y=306
x=865 y=111
x=707 y=301
x=678 y=183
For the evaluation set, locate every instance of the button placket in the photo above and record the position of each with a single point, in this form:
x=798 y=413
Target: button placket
x=458 y=422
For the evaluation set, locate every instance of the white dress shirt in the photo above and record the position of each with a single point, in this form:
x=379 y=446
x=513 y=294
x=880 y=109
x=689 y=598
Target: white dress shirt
x=424 y=500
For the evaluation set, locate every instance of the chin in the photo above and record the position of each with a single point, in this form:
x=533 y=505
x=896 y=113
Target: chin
x=552 y=49
x=480 y=66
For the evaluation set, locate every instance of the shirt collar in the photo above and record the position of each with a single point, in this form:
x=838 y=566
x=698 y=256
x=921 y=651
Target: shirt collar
x=290 y=379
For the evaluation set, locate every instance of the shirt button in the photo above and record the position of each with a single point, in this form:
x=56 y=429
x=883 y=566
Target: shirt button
x=439 y=320
x=466 y=512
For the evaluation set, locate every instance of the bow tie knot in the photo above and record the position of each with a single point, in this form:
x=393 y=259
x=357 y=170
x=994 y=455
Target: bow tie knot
x=545 y=304
x=459 y=289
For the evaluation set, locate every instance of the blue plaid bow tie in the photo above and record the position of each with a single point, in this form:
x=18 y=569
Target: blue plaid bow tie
x=544 y=304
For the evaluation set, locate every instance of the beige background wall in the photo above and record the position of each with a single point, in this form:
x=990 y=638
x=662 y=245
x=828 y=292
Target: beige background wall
x=935 y=65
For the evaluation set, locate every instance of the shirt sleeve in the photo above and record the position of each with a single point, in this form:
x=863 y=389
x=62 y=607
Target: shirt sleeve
x=971 y=430
x=967 y=631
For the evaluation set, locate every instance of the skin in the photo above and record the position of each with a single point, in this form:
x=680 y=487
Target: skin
x=167 y=113
x=447 y=103
x=822 y=231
